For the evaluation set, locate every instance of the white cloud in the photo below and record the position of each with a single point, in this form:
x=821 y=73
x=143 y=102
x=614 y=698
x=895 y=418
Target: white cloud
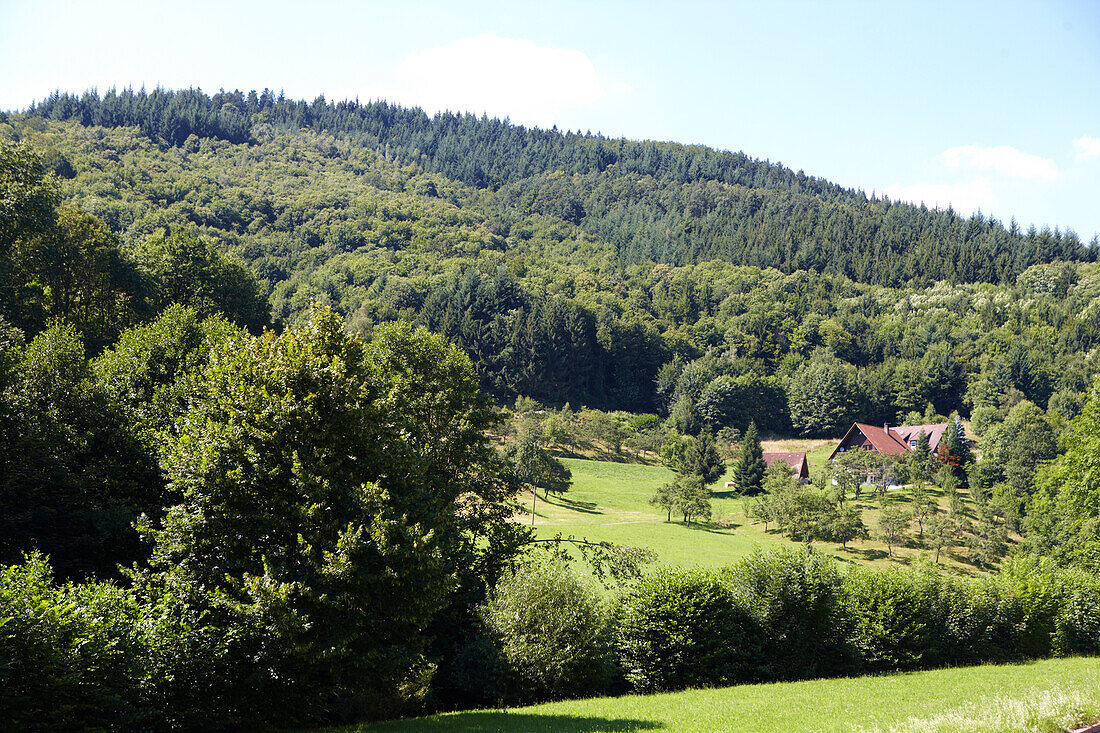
x=1002 y=159
x=504 y=77
x=1087 y=147
x=965 y=198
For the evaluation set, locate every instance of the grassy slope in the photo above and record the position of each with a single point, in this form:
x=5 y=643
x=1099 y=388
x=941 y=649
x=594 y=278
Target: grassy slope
x=1042 y=696
x=610 y=501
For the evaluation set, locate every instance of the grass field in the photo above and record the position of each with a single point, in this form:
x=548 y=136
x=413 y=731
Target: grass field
x=610 y=502
x=1048 y=696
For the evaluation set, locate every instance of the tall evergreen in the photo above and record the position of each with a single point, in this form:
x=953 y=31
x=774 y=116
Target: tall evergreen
x=702 y=459
x=954 y=451
x=748 y=472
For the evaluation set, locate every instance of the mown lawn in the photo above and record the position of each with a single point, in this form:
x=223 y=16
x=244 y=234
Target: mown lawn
x=610 y=502
x=1048 y=696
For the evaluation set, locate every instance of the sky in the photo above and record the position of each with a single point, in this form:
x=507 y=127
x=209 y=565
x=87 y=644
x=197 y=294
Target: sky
x=990 y=106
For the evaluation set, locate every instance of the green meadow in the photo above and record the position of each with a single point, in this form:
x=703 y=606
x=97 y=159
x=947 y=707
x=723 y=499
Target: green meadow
x=1051 y=695
x=610 y=502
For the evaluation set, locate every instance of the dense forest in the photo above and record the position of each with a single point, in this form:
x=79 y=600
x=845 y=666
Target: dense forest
x=664 y=202
x=247 y=347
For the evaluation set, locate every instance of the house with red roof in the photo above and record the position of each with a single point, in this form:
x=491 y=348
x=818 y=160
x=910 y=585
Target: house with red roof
x=797 y=462
x=889 y=441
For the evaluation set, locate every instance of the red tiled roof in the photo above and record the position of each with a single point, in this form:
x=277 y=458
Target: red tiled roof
x=883 y=441
x=909 y=433
x=797 y=461
x=879 y=438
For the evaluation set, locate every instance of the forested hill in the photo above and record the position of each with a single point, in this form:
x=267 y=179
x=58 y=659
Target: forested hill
x=659 y=202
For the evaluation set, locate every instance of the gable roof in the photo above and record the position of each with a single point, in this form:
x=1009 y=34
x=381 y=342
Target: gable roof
x=909 y=433
x=797 y=462
x=881 y=439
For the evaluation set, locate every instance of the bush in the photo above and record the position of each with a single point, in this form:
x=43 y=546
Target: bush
x=70 y=656
x=800 y=602
x=1078 y=623
x=681 y=629
x=551 y=631
x=900 y=619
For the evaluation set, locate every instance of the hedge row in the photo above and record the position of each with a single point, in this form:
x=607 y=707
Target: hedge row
x=781 y=616
x=91 y=657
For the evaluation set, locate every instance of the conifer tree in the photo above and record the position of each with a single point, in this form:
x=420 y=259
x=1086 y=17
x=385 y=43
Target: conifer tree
x=702 y=459
x=954 y=451
x=748 y=472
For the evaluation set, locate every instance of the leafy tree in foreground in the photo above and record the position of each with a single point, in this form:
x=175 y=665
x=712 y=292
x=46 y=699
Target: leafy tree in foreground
x=333 y=494
x=73 y=475
x=748 y=471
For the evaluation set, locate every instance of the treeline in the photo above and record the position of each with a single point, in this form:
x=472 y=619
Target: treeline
x=659 y=202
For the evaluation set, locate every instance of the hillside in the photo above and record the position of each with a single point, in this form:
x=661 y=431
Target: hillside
x=549 y=278
x=663 y=202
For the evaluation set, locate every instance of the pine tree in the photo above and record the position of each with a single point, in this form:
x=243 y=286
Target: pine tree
x=954 y=451
x=748 y=472
x=702 y=459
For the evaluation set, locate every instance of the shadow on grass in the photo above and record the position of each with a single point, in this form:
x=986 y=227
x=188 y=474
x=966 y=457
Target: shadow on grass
x=708 y=527
x=586 y=507
x=487 y=721
x=866 y=554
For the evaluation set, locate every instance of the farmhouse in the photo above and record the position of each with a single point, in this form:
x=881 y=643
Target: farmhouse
x=896 y=441
x=888 y=441
x=797 y=462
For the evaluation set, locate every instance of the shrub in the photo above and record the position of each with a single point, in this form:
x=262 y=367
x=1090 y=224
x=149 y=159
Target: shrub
x=900 y=619
x=70 y=656
x=800 y=602
x=1078 y=623
x=684 y=628
x=552 y=633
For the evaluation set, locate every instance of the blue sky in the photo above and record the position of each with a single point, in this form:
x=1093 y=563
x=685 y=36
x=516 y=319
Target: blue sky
x=990 y=105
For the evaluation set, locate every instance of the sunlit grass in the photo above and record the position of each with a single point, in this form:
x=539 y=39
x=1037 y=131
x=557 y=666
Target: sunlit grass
x=1042 y=696
x=610 y=502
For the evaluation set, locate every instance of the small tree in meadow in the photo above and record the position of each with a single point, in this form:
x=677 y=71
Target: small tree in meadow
x=893 y=526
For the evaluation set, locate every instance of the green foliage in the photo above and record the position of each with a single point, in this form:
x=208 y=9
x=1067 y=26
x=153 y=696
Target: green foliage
x=71 y=657
x=954 y=451
x=801 y=606
x=533 y=464
x=1013 y=449
x=701 y=459
x=73 y=474
x=822 y=397
x=552 y=633
x=75 y=270
x=900 y=619
x=679 y=628
x=748 y=468
x=893 y=524
x=688 y=495
x=145 y=372
x=194 y=273
x=1064 y=513
x=324 y=590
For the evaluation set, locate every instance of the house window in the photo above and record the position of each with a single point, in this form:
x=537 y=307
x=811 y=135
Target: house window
x=913 y=443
